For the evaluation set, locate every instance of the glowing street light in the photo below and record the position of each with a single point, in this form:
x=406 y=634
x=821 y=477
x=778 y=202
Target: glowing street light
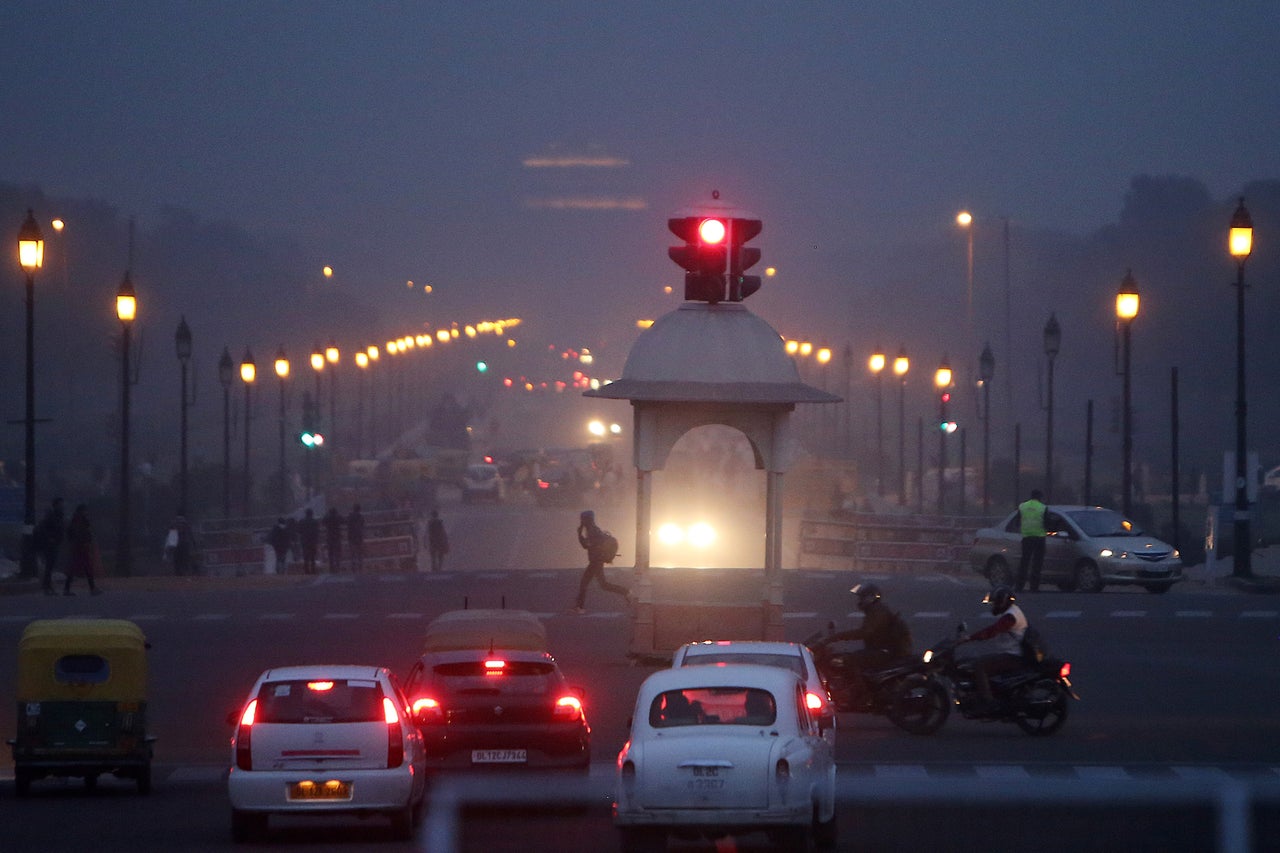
x=282 y=371
x=1126 y=311
x=876 y=365
x=31 y=258
x=901 y=365
x=248 y=372
x=126 y=312
x=1240 y=245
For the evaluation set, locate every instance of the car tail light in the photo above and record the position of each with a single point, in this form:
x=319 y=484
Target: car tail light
x=244 y=750
x=783 y=770
x=1064 y=672
x=568 y=708
x=543 y=484
x=395 y=737
x=815 y=703
x=428 y=710
x=494 y=666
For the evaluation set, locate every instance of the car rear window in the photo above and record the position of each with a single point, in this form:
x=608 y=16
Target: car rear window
x=795 y=663
x=485 y=678
x=320 y=701
x=710 y=706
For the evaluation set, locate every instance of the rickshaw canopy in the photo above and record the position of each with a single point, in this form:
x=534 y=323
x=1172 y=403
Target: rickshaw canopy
x=56 y=660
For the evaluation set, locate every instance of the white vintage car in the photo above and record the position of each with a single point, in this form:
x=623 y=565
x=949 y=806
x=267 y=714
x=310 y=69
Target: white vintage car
x=725 y=750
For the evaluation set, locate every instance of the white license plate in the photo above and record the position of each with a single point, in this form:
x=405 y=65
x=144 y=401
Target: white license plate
x=499 y=756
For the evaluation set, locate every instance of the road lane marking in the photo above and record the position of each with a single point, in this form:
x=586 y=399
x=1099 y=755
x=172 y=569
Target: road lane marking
x=1063 y=614
x=1258 y=614
x=275 y=617
x=932 y=614
x=342 y=616
x=1128 y=614
x=1194 y=614
x=404 y=615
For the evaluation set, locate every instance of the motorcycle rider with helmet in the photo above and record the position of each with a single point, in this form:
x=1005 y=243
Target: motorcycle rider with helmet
x=884 y=634
x=1005 y=635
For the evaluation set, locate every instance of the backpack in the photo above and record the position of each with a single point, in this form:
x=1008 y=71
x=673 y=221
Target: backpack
x=899 y=635
x=606 y=547
x=1034 y=647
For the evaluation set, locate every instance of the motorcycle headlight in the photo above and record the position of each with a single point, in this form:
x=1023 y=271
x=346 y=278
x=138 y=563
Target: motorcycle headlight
x=928 y=655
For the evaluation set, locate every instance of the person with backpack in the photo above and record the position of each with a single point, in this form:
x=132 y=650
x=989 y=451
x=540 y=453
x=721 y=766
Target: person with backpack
x=601 y=548
x=885 y=636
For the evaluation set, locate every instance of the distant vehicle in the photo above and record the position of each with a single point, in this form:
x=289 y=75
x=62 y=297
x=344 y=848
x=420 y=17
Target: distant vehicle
x=560 y=485
x=1087 y=548
x=325 y=739
x=717 y=750
x=482 y=482
x=790 y=656
x=486 y=694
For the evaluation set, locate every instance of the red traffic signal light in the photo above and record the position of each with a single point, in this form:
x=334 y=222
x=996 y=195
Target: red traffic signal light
x=703 y=256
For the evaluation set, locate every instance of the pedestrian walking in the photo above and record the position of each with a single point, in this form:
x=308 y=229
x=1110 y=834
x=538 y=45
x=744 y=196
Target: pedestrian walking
x=278 y=538
x=1031 y=521
x=333 y=538
x=601 y=548
x=437 y=541
x=179 y=544
x=84 y=551
x=309 y=536
x=355 y=538
x=48 y=541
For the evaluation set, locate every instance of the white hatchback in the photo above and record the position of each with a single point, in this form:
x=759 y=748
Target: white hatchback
x=325 y=740
x=724 y=750
x=793 y=656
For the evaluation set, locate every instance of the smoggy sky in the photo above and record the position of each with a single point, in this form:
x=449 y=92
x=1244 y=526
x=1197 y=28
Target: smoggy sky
x=499 y=150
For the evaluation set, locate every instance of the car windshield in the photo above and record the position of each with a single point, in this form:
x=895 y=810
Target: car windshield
x=710 y=706
x=1103 y=522
x=795 y=663
x=496 y=677
x=320 y=701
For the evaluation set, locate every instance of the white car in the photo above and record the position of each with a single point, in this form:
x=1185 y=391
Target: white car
x=724 y=750
x=793 y=656
x=325 y=740
x=483 y=482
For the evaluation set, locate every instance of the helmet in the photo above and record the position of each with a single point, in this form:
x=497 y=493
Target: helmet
x=587 y=515
x=867 y=593
x=999 y=598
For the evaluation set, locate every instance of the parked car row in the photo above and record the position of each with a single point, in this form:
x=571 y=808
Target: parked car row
x=735 y=737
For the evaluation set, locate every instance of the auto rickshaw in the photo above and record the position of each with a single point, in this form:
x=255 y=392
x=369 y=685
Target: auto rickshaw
x=82 y=702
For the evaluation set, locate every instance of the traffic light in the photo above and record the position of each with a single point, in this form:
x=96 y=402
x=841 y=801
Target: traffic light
x=945 y=424
x=743 y=257
x=704 y=255
x=311 y=440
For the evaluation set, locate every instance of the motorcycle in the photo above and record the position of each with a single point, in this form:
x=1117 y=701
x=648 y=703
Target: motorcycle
x=1035 y=697
x=878 y=689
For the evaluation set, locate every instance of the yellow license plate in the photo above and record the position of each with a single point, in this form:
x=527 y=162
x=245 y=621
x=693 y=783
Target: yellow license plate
x=332 y=789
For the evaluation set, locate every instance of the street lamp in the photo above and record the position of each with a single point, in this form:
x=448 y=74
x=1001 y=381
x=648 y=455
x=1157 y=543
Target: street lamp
x=1240 y=244
x=986 y=370
x=31 y=257
x=1052 y=343
x=942 y=380
x=282 y=371
x=225 y=375
x=1126 y=310
x=876 y=365
x=901 y=364
x=182 y=343
x=331 y=356
x=362 y=362
x=126 y=311
x=965 y=220
x=374 y=353
x=248 y=372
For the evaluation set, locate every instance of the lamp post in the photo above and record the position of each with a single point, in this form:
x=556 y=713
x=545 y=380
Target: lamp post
x=362 y=362
x=901 y=364
x=225 y=373
x=248 y=372
x=182 y=343
x=823 y=357
x=373 y=353
x=1052 y=343
x=1126 y=310
x=126 y=311
x=1240 y=244
x=965 y=220
x=942 y=380
x=282 y=371
x=331 y=356
x=31 y=258
x=986 y=370
x=876 y=365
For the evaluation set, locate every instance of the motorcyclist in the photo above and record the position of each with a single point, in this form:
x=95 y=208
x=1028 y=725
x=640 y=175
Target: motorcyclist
x=1005 y=635
x=884 y=635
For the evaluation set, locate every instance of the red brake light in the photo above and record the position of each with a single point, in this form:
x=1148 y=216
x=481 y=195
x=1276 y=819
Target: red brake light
x=395 y=737
x=1065 y=670
x=389 y=712
x=320 y=686
x=428 y=710
x=568 y=708
x=814 y=702
x=244 y=736
x=543 y=484
x=250 y=711
x=494 y=666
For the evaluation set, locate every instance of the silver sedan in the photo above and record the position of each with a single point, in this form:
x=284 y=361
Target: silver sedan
x=1087 y=548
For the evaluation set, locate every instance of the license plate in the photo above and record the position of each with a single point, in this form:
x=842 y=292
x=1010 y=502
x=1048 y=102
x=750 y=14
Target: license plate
x=499 y=756
x=332 y=789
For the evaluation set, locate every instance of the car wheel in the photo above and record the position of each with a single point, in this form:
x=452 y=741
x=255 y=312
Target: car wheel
x=998 y=572
x=1159 y=587
x=247 y=826
x=825 y=836
x=643 y=840
x=1088 y=578
x=144 y=779
x=402 y=823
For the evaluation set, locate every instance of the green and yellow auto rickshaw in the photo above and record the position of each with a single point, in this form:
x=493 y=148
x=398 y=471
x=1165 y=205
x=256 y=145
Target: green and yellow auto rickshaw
x=82 y=702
